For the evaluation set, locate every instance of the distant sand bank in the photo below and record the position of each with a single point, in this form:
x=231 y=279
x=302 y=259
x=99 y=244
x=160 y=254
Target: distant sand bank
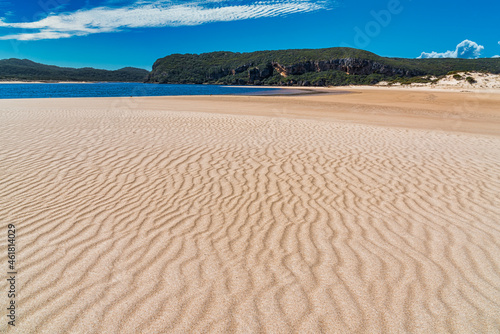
x=371 y=212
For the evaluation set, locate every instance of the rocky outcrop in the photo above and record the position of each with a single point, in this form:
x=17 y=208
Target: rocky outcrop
x=348 y=65
x=216 y=74
x=352 y=66
x=240 y=69
x=257 y=74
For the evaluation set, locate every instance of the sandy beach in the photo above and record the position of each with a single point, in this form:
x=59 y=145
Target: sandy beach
x=376 y=211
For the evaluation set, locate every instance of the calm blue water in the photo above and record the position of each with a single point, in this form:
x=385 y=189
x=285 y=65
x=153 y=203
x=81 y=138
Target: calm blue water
x=46 y=90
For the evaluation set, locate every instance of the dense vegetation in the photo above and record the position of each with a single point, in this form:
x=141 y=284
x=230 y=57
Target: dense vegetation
x=306 y=67
x=26 y=70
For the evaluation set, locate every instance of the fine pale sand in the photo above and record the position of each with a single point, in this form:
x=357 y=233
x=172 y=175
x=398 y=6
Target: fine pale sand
x=376 y=211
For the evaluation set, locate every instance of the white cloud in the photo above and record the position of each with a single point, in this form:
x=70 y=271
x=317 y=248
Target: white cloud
x=154 y=14
x=466 y=49
x=39 y=35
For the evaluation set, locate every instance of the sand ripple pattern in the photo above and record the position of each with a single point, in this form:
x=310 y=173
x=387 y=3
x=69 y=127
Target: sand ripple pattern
x=177 y=222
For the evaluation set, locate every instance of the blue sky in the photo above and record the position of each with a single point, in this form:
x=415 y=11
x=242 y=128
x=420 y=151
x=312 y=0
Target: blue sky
x=117 y=33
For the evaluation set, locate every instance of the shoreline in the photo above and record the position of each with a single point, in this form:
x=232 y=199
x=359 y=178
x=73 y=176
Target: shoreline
x=424 y=109
x=306 y=89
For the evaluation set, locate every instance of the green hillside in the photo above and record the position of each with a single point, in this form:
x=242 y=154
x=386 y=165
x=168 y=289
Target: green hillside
x=26 y=70
x=332 y=66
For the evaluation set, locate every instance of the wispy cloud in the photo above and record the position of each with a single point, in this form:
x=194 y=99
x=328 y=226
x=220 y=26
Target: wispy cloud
x=466 y=49
x=154 y=14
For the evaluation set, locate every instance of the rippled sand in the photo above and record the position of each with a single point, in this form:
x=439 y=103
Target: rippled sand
x=325 y=214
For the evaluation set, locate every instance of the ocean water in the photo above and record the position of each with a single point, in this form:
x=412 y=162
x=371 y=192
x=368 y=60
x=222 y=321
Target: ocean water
x=57 y=90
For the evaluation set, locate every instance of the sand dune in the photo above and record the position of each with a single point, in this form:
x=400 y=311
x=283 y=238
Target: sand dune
x=138 y=216
x=458 y=80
